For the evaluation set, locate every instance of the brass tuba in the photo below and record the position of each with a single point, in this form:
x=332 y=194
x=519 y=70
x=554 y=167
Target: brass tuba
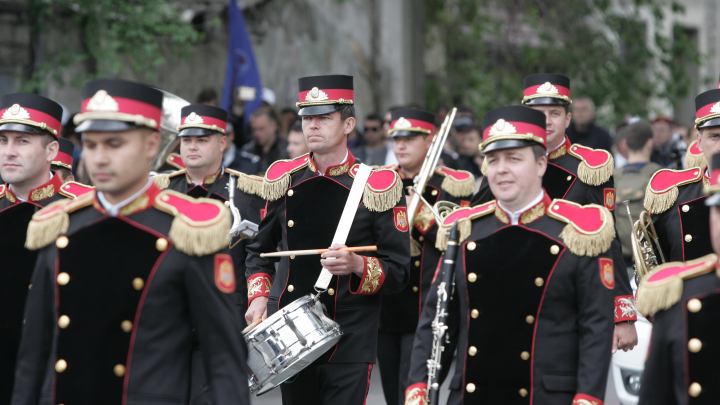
x=169 y=122
x=645 y=244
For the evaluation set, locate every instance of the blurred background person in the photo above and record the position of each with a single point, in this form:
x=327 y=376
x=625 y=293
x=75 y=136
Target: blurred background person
x=288 y=116
x=668 y=148
x=207 y=96
x=238 y=159
x=468 y=144
x=267 y=142
x=296 y=141
x=374 y=150
x=583 y=129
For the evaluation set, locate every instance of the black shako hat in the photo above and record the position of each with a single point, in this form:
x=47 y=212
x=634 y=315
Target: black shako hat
x=707 y=109
x=411 y=122
x=513 y=126
x=324 y=94
x=546 y=89
x=201 y=120
x=30 y=113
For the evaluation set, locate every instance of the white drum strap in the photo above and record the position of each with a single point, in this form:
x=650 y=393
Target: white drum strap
x=346 y=219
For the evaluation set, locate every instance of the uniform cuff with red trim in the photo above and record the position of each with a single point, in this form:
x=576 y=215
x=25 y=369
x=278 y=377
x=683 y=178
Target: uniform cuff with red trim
x=371 y=280
x=416 y=394
x=582 y=399
x=625 y=309
x=258 y=285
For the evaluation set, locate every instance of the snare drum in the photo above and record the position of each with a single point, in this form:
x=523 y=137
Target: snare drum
x=287 y=342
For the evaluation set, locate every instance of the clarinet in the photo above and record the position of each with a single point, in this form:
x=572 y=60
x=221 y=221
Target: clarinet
x=439 y=324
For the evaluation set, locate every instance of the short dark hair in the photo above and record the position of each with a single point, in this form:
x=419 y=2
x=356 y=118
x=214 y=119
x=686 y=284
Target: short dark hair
x=636 y=135
x=373 y=116
x=267 y=112
x=47 y=139
x=296 y=126
x=539 y=151
x=347 y=111
x=206 y=95
x=63 y=172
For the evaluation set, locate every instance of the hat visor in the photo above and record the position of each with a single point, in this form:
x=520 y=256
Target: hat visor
x=713 y=200
x=710 y=123
x=546 y=101
x=405 y=134
x=508 y=144
x=104 y=126
x=198 y=132
x=28 y=129
x=318 y=109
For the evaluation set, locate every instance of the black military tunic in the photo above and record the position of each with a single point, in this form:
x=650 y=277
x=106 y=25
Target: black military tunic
x=115 y=300
x=533 y=306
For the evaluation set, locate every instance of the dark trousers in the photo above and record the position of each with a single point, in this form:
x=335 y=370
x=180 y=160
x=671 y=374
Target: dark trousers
x=329 y=384
x=394 y=351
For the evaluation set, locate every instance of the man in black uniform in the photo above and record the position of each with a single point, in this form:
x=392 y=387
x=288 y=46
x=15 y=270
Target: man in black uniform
x=579 y=174
x=412 y=132
x=29 y=128
x=681 y=368
x=306 y=198
x=538 y=333
x=126 y=273
x=676 y=198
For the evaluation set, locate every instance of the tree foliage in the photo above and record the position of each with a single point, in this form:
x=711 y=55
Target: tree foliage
x=604 y=46
x=112 y=35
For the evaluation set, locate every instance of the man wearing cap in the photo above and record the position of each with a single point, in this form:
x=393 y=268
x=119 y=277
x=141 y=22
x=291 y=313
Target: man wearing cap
x=306 y=197
x=555 y=315
x=126 y=272
x=579 y=174
x=681 y=367
x=412 y=133
x=29 y=128
x=676 y=198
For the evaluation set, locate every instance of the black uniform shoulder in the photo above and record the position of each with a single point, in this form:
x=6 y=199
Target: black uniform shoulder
x=54 y=220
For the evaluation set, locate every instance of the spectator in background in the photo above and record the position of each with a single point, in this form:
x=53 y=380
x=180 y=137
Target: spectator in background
x=468 y=141
x=631 y=180
x=237 y=159
x=668 y=149
x=374 y=151
x=288 y=116
x=208 y=96
x=266 y=143
x=296 y=141
x=390 y=159
x=583 y=129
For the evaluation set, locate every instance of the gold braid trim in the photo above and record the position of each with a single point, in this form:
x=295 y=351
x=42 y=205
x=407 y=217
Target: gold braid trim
x=455 y=187
x=380 y=201
x=31 y=123
x=162 y=181
x=204 y=126
x=483 y=167
x=593 y=244
x=272 y=191
x=464 y=227
x=247 y=183
x=595 y=176
x=116 y=116
x=695 y=160
x=657 y=203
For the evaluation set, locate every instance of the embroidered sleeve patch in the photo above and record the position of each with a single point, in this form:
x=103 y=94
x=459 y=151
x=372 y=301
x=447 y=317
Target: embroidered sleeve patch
x=607 y=273
x=609 y=198
x=625 y=309
x=373 y=277
x=400 y=218
x=583 y=399
x=464 y=203
x=224 y=273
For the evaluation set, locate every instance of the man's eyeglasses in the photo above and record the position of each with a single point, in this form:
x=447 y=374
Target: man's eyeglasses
x=373 y=129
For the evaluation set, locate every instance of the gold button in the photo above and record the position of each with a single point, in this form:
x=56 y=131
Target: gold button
x=694 y=345
x=524 y=355
x=292 y=257
x=474 y=313
x=688 y=238
x=523 y=392
x=695 y=390
x=63 y=278
x=331 y=291
x=63 y=321
x=138 y=283
x=417 y=263
x=686 y=208
x=694 y=305
x=62 y=242
x=569 y=178
x=30 y=287
x=472 y=350
x=119 y=370
x=60 y=366
x=126 y=326
x=165 y=198
x=291 y=288
x=290 y=193
x=539 y=282
x=530 y=319
x=434 y=192
x=422 y=238
x=554 y=249
x=227 y=203
x=161 y=244
x=471 y=246
x=470 y=388
x=291 y=223
x=472 y=277
x=415 y=289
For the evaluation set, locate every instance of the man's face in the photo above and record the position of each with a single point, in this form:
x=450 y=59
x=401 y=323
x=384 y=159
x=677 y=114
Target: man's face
x=514 y=174
x=374 y=131
x=118 y=161
x=24 y=156
x=715 y=228
x=556 y=121
x=326 y=132
x=708 y=141
x=202 y=152
x=583 y=112
x=411 y=150
x=661 y=133
x=296 y=144
x=263 y=129
x=468 y=142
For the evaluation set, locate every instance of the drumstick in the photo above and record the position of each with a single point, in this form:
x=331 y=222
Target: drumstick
x=317 y=251
x=252 y=326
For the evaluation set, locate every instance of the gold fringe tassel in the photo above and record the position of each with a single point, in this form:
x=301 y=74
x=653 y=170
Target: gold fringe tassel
x=162 y=181
x=659 y=203
x=200 y=240
x=659 y=295
x=250 y=184
x=464 y=227
x=275 y=190
x=44 y=229
x=589 y=245
x=458 y=188
x=483 y=167
x=597 y=176
x=693 y=160
x=383 y=201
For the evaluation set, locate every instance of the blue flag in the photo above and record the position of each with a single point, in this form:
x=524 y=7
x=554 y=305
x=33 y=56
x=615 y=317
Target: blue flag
x=241 y=71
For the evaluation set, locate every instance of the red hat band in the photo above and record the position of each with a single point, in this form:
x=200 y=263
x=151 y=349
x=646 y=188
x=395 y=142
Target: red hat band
x=707 y=112
x=19 y=115
x=64 y=160
x=316 y=96
x=102 y=106
x=547 y=89
x=202 y=121
x=409 y=124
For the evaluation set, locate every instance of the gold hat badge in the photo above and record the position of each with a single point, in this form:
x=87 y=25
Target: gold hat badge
x=402 y=123
x=102 y=101
x=16 y=112
x=547 y=88
x=316 y=95
x=502 y=127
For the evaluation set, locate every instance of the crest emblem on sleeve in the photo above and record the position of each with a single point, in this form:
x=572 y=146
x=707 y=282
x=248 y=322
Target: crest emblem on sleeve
x=400 y=218
x=609 y=198
x=607 y=273
x=224 y=273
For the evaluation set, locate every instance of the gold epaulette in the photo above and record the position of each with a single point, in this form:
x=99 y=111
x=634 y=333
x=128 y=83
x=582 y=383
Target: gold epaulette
x=596 y=166
x=277 y=177
x=590 y=229
x=693 y=156
x=663 y=286
x=483 y=167
x=54 y=220
x=73 y=189
x=2 y=190
x=383 y=189
x=662 y=190
x=464 y=216
x=247 y=182
x=201 y=225
x=457 y=183
x=162 y=181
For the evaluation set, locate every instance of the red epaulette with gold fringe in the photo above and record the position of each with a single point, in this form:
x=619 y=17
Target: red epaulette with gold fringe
x=590 y=229
x=596 y=166
x=383 y=189
x=277 y=177
x=175 y=160
x=54 y=220
x=457 y=183
x=693 y=156
x=464 y=216
x=662 y=190
x=247 y=182
x=663 y=286
x=2 y=190
x=201 y=225
x=162 y=180
x=73 y=189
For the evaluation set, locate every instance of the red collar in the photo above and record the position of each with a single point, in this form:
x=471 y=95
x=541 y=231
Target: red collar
x=208 y=179
x=561 y=150
x=530 y=215
x=143 y=202
x=43 y=192
x=337 y=170
x=404 y=175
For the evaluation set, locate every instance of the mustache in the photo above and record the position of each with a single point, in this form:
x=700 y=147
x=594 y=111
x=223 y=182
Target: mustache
x=110 y=172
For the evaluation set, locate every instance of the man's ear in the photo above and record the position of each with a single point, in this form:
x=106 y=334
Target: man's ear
x=223 y=143
x=153 y=144
x=542 y=165
x=698 y=136
x=568 y=117
x=51 y=151
x=349 y=125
